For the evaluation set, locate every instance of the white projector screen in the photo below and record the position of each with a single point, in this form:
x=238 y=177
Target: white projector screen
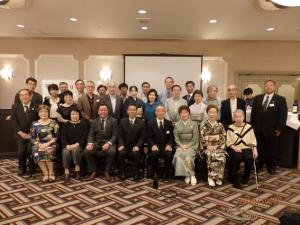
x=154 y=69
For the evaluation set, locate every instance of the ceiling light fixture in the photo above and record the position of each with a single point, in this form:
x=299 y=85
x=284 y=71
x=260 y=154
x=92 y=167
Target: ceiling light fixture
x=270 y=29
x=287 y=3
x=20 y=25
x=144 y=28
x=142 y=11
x=213 y=21
x=72 y=19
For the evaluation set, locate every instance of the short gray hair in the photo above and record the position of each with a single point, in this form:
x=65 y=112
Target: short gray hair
x=239 y=111
x=212 y=86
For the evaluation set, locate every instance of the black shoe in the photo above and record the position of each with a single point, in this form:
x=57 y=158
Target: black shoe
x=245 y=181
x=136 y=178
x=21 y=172
x=122 y=176
x=272 y=171
x=237 y=184
x=77 y=175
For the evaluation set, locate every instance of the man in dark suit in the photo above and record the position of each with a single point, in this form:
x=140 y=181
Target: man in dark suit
x=160 y=141
x=101 y=141
x=113 y=101
x=88 y=103
x=268 y=117
x=189 y=86
x=23 y=115
x=36 y=98
x=230 y=105
x=131 y=140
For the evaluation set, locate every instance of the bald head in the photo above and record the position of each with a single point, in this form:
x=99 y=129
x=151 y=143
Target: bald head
x=112 y=87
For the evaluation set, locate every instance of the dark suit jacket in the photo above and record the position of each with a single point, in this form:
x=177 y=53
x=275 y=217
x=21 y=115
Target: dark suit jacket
x=109 y=134
x=191 y=101
x=156 y=136
x=226 y=115
x=132 y=136
x=274 y=118
x=36 y=99
x=22 y=121
x=84 y=106
x=118 y=109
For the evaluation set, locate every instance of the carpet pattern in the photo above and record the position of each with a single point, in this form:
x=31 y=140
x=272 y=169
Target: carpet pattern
x=26 y=200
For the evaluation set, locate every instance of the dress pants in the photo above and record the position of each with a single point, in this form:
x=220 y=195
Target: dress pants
x=71 y=156
x=128 y=153
x=97 y=153
x=154 y=160
x=236 y=158
x=268 y=151
x=24 y=153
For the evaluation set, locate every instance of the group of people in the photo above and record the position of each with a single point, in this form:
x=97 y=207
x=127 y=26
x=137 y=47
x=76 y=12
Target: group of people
x=75 y=128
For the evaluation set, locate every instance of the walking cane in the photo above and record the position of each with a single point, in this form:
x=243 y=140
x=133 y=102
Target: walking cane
x=254 y=165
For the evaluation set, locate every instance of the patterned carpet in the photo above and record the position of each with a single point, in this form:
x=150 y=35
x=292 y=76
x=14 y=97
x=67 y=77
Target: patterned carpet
x=29 y=201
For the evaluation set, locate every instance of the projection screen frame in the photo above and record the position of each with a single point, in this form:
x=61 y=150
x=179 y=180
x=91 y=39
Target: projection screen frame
x=163 y=55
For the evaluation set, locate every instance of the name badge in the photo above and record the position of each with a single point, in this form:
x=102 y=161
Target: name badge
x=168 y=132
x=271 y=105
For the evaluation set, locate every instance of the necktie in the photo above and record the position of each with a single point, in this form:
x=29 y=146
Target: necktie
x=161 y=125
x=265 y=104
x=188 y=98
x=26 y=108
x=131 y=123
x=102 y=124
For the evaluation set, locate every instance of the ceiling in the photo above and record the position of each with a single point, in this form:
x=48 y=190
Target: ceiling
x=170 y=19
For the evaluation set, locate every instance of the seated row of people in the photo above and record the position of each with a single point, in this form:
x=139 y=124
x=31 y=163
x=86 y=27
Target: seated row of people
x=105 y=137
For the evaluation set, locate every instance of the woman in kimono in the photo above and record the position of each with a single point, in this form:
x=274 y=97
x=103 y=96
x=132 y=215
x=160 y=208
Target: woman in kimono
x=198 y=109
x=44 y=136
x=187 y=141
x=212 y=145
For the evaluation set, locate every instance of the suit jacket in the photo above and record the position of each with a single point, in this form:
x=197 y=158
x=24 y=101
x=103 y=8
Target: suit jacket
x=36 y=99
x=84 y=106
x=191 y=101
x=226 y=114
x=22 y=121
x=118 y=109
x=274 y=118
x=132 y=136
x=109 y=134
x=156 y=136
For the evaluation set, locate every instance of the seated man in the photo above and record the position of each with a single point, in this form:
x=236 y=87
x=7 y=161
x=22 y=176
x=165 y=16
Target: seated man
x=131 y=140
x=160 y=141
x=101 y=142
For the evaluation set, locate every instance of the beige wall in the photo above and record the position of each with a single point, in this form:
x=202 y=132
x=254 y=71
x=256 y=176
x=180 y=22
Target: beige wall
x=241 y=56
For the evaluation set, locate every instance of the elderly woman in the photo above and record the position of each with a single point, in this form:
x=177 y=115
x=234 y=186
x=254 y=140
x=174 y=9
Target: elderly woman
x=241 y=144
x=187 y=141
x=64 y=110
x=198 y=109
x=44 y=136
x=212 y=145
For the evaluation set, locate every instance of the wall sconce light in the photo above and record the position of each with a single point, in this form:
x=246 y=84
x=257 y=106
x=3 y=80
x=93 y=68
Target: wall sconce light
x=6 y=72
x=105 y=74
x=206 y=75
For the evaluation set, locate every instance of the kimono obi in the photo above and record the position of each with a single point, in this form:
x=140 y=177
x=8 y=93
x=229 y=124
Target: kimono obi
x=185 y=137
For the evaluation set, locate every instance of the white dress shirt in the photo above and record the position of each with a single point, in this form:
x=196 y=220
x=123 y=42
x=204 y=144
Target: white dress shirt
x=269 y=100
x=113 y=100
x=233 y=105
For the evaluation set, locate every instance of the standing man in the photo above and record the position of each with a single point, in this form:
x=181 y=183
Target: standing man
x=88 y=103
x=230 y=105
x=248 y=96
x=160 y=141
x=145 y=90
x=190 y=86
x=101 y=89
x=123 y=88
x=131 y=140
x=24 y=113
x=101 y=142
x=113 y=101
x=36 y=98
x=167 y=93
x=79 y=90
x=268 y=117
x=63 y=86
x=172 y=104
